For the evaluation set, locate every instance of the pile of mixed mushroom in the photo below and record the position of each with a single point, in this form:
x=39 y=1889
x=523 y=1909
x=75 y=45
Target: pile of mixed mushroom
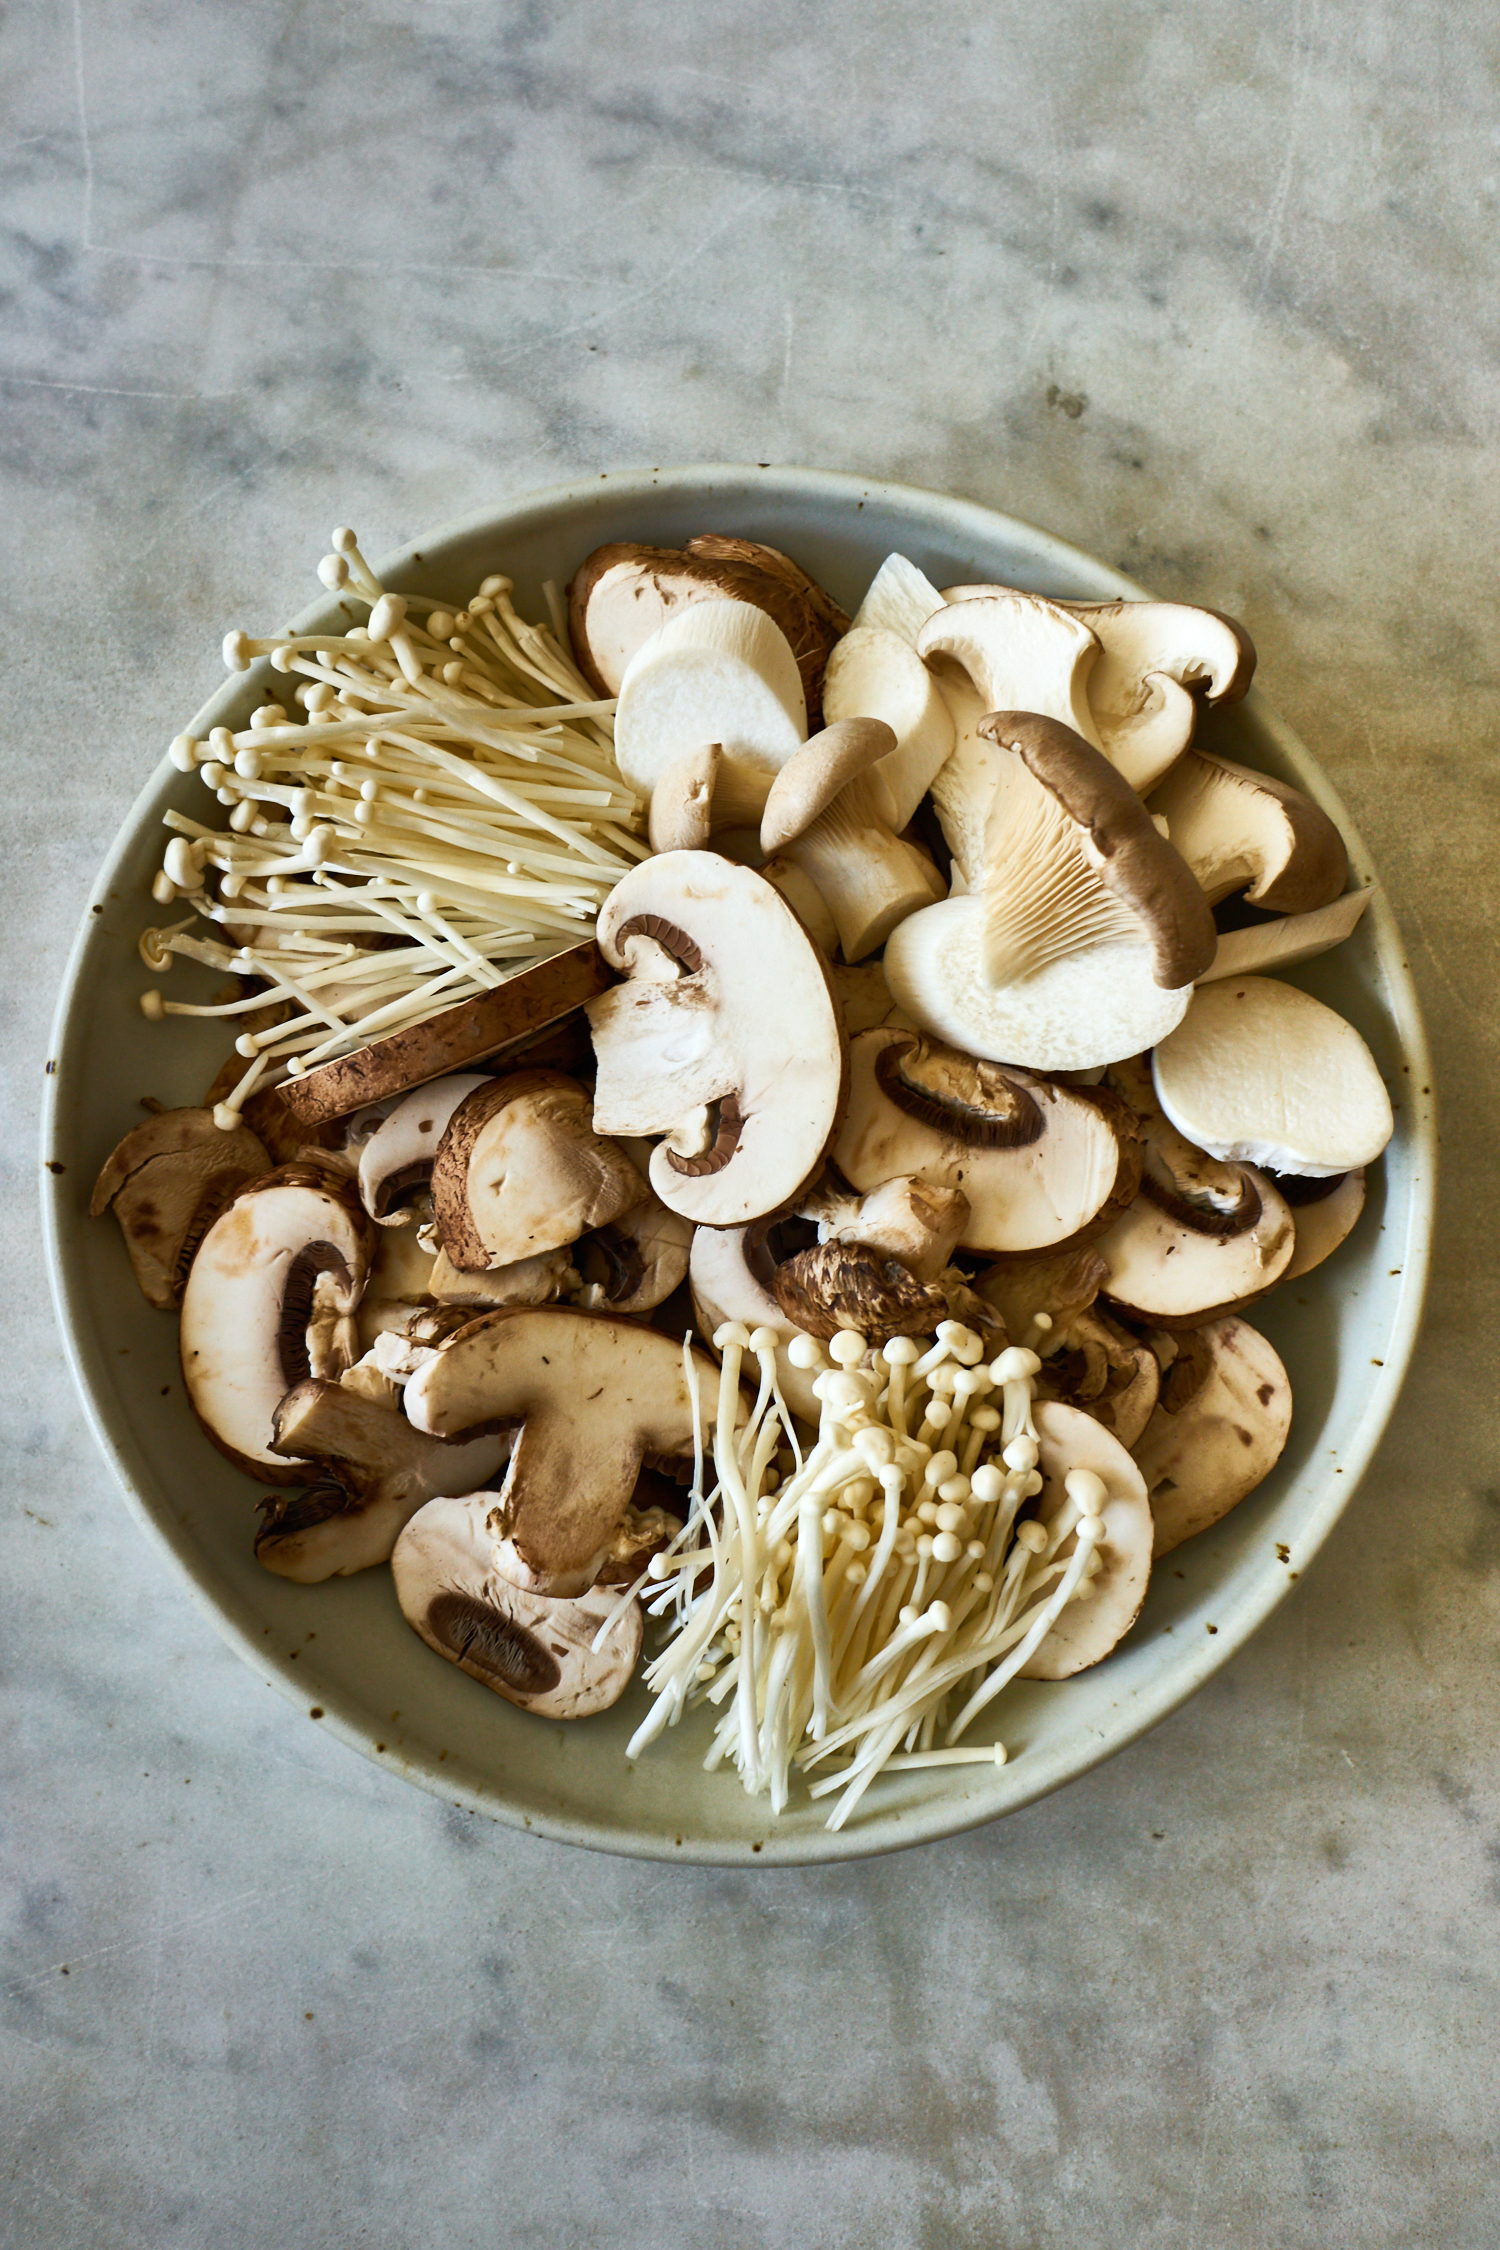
x=907 y=1068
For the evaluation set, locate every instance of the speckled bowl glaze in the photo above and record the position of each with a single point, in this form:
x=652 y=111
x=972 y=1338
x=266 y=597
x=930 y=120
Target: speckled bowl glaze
x=341 y=1652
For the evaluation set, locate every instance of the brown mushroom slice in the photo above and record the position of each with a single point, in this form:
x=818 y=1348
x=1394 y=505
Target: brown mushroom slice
x=730 y=1274
x=1094 y=1363
x=1039 y=1162
x=634 y=1264
x=726 y=1037
x=166 y=1183
x=379 y=1471
x=398 y=1156
x=1288 y=941
x=1089 y=1627
x=1240 y=830
x=1325 y=1212
x=269 y=1302
x=594 y=1394
x=1218 y=1429
x=534 y=1650
x=520 y=1170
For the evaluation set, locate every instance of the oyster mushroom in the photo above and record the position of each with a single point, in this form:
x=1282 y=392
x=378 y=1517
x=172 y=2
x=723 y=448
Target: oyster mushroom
x=1040 y=1163
x=899 y=599
x=166 y=1183
x=520 y=1170
x=593 y=1394
x=689 y=1047
x=1019 y=651
x=378 y=1471
x=874 y=673
x=1218 y=1429
x=269 y=1302
x=1244 y=831
x=831 y=814
x=534 y=1650
x=702 y=794
x=1090 y=1626
x=399 y=1154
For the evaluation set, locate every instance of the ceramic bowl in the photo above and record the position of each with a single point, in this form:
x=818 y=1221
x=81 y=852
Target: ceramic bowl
x=342 y=1652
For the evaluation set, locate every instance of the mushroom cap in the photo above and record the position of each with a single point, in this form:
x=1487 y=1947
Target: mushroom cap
x=536 y=1651
x=400 y=1152
x=166 y=1183
x=1092 y=1625
x=837 y=1285
x=1040 y=1163
x=730 y=1275
x=1213 y=1438
x=810 y=780
x=874 y=673
x=747 y=1041
x=716 y=671
x=1324 y=1218
x=1241 y=830
x=1021 y=652
x=1261 y=1073
x=520 y=1170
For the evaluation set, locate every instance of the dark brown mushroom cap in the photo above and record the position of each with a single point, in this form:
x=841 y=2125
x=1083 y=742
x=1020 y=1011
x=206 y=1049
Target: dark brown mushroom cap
x=1134 y=860
x=166 y=1183
x=838 y=1285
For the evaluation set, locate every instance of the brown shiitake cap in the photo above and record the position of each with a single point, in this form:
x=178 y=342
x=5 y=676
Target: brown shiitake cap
x=1134 y=860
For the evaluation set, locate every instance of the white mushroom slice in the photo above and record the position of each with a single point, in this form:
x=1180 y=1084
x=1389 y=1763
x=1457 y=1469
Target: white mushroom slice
x=521 y=1170
x=730 y=1273
x=830 y=813
x=1325 y=1212
x=1038 y=1162
x=399 y=1154
x=1260 y=1073
x=717 y=1037
x=921 y=1222
x=594 y=1395
x=1091 y=1625
x=1219 y=1428
x=634 y=1264
x=1284 y=943
x=270 y=1301
x=535 y=1651
x=378 y=1472
x=876 y=674
x=1020 y=652
x=1240 y=830
x=166 y=1183
x=899 y=599
x=717 y=671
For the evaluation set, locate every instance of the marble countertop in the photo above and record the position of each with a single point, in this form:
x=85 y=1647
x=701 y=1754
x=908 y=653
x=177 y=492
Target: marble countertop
x=1214 y=294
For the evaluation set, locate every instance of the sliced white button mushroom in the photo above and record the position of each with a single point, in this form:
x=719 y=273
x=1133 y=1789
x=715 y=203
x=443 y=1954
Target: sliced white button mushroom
x=1285 y=942
x=876 y=674
x=705 y=1054
x=535 y=1651
x=830 y=813
x=899 y=599
x=270 y=1301
x=166 y=1183
x=379 y=1471
x=1218 y=1429
x=1090 y=1626
x=717 y=671
x=594 y=1395
x=1240 y=830
x=1261 y=1073
x=730 y=1274
x=520 y=1170
x=1038 y=1162
x=1325 y=1212
x=398 y=1155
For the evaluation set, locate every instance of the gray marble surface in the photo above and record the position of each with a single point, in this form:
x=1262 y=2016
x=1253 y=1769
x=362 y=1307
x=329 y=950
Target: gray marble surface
x=1211 y=291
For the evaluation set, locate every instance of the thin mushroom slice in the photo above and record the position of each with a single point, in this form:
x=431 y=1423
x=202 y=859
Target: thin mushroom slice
x=874 y=673
x=520 y=1170
x=1090 y=1626
x=634 y=1264
x=398 y=1156
x=1240 y=830
x=1218 y=1429
x=1325 y=1212
x=1040 y=1163
x=536 y=1651
x=1259 y=1072
x=166 y=1183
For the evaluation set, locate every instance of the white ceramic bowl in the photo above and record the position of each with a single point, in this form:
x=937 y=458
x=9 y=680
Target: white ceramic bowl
x=342 y=1651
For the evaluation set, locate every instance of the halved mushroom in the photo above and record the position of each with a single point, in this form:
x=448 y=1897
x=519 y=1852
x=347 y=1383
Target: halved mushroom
x=378 y=1472
x=830 y=813
x=1284 y=943
x=623 y=592
x=1203 y=1237
x=594 y=1395
x=1259 y=1072
x=535 y=1651
x=1218 y=1429
x=269 y=1302
x=727 y=1037
x=717 y=671
x=876 y=674
x=520 y=1170
x=642 y=1533
x=1240 y=830
x=166 y=1183
x=1040 y=1163
x=1324 y=1211
x=1091 y=1626
x=730 y=1275
x=398 y=1155
x=634 y=1264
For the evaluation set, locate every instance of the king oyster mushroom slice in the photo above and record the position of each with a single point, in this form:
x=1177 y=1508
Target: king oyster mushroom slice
x=1218 y=1429
x=1291 y=939
x=1040 y=1163
x=269 y=1302
x=1202 y=1237
x=719 y=671
x=1259 y=1072
x=874 y=673
x=379 y=1471
x=594 y=1395
x=1244 y=831
x=730 y=1275
x=520 y=1170
x=166 y=1183
x=830 y=813
x=1088 y=928
x=398 y=1156
x=535 y=1651
x=727 y=1037
x=1325 y=1212
x=1088 y=1628
x=865 y=998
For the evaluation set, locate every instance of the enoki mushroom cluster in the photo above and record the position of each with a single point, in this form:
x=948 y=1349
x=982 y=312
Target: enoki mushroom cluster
x=848 y=1607
x=433 y=806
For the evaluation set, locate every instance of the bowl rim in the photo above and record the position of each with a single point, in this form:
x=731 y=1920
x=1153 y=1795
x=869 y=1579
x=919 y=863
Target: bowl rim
x=944 y=1814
